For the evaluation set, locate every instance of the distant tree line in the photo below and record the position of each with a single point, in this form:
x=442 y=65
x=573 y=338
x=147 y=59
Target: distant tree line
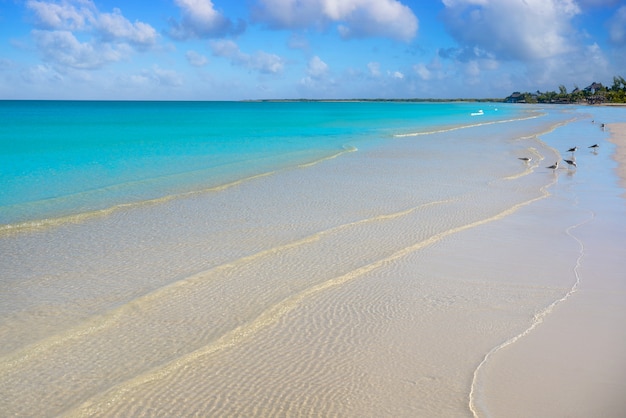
x=593 y=94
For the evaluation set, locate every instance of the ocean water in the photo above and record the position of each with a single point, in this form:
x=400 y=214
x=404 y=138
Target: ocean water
x=62 y=159
x=284 y=259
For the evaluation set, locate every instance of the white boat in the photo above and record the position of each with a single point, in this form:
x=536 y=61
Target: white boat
x=479 y=113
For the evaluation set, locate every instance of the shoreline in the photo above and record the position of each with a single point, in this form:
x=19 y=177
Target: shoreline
x=573 y=364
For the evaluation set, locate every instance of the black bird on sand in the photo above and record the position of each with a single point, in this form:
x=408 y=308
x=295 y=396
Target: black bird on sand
x=525 y=159
x=572 y=149
x=554 y=166
x=594 y=146
x=570 y=163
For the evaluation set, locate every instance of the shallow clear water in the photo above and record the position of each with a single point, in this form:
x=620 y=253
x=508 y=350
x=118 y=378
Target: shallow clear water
x=67 y=158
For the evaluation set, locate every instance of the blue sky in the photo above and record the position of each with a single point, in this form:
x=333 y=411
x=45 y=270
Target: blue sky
x=317 y=49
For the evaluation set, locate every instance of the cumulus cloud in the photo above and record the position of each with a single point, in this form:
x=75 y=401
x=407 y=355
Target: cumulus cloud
x=617 y=27
x=167 y=77
x=374 y=68
x=434 y=70
x=201 y=20
x=355 y=18
x=41 y=74
x=66 y=14
x=115 y=27
x=260 y=61
x=521 y=30
x=112 y=37
x=196 y=59
x=422 y=71
x=83 y=16
x=317 y=68
x=63 y=48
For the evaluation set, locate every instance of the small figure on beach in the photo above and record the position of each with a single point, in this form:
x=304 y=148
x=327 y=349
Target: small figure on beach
x=572 y=149
x=525 y=159
x=554 y=166
x=570 y=163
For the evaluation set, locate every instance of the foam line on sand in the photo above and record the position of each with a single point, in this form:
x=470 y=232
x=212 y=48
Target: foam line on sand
x=537 y=320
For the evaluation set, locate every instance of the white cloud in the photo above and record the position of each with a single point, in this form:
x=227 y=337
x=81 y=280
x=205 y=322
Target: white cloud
x=374 y=68
x=201 y=20
x=259 y=61
x=134 y=81
x=529 y=29
x=472 y=71
x=111 y=37
x=422 y=71
x=265 y=63
x=83 y=15
x=61 y=47
x=150 y=78
x=397 y=75
x=166 y=77
x=317 y=68
x=617 y=27
x=41 y=74
x=434 y=70
x=196 y=59
x=356 y=18
x=115 y=27
x=66 y=14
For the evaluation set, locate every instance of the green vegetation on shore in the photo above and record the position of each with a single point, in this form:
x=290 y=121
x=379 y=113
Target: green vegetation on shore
x=595 y=93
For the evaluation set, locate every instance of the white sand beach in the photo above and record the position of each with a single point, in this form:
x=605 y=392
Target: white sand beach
x=439 y=277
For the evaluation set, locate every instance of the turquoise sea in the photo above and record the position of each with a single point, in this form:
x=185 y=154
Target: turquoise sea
x=65 y=158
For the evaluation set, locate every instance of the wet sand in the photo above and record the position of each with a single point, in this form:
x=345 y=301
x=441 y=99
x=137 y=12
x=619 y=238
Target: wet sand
x=574 y=363
x=618 y=137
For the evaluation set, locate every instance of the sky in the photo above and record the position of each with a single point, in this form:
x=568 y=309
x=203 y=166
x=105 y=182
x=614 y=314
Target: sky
x=306 y=49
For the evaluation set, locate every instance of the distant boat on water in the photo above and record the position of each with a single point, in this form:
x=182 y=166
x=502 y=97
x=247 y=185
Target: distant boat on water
x=479 y=113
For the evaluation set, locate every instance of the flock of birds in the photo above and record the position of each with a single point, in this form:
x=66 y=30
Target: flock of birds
x=570 y=163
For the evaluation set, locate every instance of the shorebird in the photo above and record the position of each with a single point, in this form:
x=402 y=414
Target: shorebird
x=554 y=166
x=525 y=159
x=570 y=162
x=572 y=149
x=594 y=146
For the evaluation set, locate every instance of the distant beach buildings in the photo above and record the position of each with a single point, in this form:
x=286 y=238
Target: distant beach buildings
x=595 y=93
